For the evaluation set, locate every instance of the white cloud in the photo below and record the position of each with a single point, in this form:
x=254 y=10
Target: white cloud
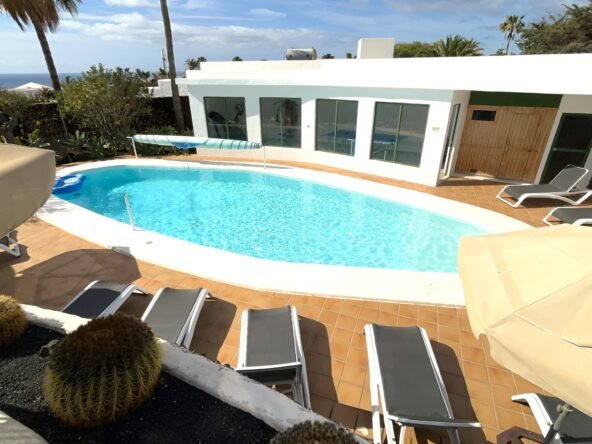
x=196 y=4
x=135 y=27
x=132 y=3
x=266 y=13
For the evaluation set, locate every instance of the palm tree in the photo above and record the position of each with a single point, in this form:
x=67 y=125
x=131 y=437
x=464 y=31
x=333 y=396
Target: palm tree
x=511 y=26
x=456 y=46
x=44 y=16
x=168 y=35
x=237 y=59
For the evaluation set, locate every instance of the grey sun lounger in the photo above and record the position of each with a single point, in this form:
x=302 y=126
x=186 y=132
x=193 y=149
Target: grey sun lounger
x=172 y=314
x=406 y=381
x=570 y=215
x=562 y=187
x=576 y=428
x=100 y=298
x=270 y=350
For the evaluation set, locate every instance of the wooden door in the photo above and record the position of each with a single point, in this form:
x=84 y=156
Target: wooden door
x=483 y=141
x=520 y=143
x=510 y=146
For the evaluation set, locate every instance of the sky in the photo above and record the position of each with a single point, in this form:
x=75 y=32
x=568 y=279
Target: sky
x=129 y=33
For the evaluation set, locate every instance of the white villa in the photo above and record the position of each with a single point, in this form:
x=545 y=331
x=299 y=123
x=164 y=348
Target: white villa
x=517 y=118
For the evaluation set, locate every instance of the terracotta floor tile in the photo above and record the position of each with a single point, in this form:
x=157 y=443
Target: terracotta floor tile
x=368 y=314
x=328 y=317
x=428 y=315
x=387 y=319
x=508 y=418
x=333 y=305
x=475 y=371
x=342 y=336
x=350 y=309
x=408 y=311
x=504 y=378
x=346 y=322
x=349 y=394
x=322 y=406
x=345 y=415
x=357 y=357
x=353 y=375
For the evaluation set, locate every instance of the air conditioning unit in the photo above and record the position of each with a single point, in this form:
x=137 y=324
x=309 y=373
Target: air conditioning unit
x=301 y=54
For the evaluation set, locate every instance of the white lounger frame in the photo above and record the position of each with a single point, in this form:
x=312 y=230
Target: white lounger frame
x=12 y=247
x=540 y=414
x=188 y=330
x=299 y=387
x=125 y=294
x=560 y=195
x=582 y=221
x=377 y=395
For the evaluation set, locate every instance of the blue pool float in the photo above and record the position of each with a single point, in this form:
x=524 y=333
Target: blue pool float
x=68 y=184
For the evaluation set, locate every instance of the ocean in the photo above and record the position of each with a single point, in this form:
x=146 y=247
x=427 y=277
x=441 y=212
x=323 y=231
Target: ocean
x=8 y=81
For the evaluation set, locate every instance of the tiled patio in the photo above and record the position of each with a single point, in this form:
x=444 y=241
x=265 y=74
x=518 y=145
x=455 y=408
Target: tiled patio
x=56 y=265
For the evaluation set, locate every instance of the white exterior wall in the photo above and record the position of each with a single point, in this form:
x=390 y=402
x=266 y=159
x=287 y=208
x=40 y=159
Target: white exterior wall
x=427 y=173
x=569 y=104
x=462 y=98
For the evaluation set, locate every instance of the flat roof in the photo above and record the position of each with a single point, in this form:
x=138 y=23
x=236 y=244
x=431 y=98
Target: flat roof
x=546 y=74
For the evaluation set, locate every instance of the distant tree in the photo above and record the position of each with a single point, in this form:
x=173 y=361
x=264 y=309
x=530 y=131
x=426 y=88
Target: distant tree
x=349 y=55
x=194 y=63
x=569 y=32
x=456 y=46
x=413 y=49
x=44 y=16
x=237 y=59
x=168 y=35
x=500 y=52
x=328 y=56
x=511 y=27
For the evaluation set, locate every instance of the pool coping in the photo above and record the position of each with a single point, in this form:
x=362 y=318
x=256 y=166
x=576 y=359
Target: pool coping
x=281 y=277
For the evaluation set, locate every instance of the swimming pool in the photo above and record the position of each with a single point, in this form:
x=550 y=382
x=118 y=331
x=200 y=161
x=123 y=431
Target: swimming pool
x=269 y=216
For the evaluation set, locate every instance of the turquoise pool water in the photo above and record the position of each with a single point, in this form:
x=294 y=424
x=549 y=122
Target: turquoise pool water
x=274 y=217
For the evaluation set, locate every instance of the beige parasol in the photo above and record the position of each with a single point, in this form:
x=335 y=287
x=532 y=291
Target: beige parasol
x=26 y=179
x=530 y=292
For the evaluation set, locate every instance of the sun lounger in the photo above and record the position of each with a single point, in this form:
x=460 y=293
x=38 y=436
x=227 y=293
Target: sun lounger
x=9 y=244
x=172 y=314
x=270 y=350
x=569 y=215
x=562 y=187
x=100 y=298
x=576 y=427
x=406 y=381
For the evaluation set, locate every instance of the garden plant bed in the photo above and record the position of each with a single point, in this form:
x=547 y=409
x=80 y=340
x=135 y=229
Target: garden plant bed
x=176 y=413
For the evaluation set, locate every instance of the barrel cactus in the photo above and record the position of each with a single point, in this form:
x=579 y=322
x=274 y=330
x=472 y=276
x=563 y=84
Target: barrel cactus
x=314 y=433
x=102 y=371
x=12 y=321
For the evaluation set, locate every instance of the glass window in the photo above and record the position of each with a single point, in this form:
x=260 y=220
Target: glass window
x=280 y=121
x=226 y=117
x=399 y=130
x=336 y=126
x=483 y=115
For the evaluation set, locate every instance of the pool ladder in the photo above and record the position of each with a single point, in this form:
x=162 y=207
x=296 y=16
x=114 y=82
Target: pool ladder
x=129 y=211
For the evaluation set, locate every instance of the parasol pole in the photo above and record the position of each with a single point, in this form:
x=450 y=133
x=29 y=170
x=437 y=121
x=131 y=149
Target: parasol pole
x=563 y=410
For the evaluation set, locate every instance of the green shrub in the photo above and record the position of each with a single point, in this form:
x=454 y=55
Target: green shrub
x=102 y=371
x=107 y=102
x=12 y=321
x=314 y=433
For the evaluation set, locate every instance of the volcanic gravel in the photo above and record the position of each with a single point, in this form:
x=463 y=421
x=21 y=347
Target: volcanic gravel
x=176 y=413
